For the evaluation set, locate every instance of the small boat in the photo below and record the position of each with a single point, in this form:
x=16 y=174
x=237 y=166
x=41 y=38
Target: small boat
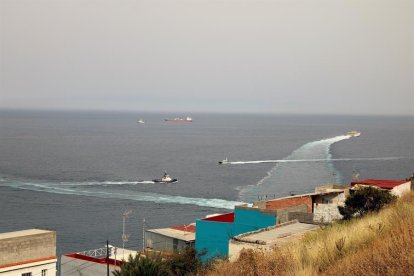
x=165 y=179
x=353 y=133
x=140 y=121
x=178 y=119
x=224 y=161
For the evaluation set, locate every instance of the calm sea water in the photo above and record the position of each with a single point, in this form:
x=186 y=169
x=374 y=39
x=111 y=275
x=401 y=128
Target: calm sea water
x=77 y=173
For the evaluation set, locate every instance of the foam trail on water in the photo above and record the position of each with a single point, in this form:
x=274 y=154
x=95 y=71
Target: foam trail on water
x=310 y=160
x=106 y=183
x=306 y=167
x=82 y=189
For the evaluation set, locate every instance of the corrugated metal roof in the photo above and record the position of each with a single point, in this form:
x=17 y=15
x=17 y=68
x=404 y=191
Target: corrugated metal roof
x=185 y=227
x=173 y=233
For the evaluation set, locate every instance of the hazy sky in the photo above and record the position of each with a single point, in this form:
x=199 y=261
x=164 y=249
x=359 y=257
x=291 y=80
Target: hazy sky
x=278 y=56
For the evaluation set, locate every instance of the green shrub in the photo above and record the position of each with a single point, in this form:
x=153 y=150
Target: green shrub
x=364 y=200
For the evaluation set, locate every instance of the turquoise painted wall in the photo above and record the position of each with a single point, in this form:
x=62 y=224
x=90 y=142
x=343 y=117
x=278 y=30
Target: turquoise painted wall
x=214 y=236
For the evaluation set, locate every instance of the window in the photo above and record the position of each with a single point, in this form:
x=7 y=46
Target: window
x=27 y=274
x=44 y=272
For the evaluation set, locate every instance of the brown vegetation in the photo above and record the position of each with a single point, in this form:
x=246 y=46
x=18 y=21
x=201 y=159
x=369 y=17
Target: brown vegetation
x=376 y=244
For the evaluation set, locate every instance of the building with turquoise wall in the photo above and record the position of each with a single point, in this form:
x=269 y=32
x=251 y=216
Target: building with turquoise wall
x=213 y=233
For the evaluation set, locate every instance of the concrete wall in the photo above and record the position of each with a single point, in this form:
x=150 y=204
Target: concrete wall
x=25 y=248
x=401 y=189
x=289 y=202
x=253 y=217
x=236 y=247
x=301 y=217
x=283 y=214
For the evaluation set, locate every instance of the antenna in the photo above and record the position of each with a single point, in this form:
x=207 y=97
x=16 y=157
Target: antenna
x=355 y=175
x=143 y=234
x=124 y=236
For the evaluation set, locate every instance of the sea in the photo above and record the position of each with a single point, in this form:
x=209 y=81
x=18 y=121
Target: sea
x=88 y=175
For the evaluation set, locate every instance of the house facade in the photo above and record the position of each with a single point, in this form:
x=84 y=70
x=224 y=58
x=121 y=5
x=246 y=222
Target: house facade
x=94 y=262
x=28 y=253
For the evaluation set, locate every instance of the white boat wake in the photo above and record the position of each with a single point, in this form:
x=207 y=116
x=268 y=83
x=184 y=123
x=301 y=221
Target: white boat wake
x=89 y=189
x=309 y=160
x=305 y=168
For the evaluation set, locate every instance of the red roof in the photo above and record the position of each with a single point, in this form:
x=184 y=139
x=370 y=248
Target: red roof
x=222 y=218
x=185 y=228
x=380 y=183
x=94 y=259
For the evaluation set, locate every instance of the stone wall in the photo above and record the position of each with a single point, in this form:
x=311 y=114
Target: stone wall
x=326 y=213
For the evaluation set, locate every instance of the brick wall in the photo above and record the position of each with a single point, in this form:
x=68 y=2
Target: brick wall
x=289 y=202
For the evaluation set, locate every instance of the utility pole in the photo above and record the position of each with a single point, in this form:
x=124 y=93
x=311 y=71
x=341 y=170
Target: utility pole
x=143 y=234
x=107 y=258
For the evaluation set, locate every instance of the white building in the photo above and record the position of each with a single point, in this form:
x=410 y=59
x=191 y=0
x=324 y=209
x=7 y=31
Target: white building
x=28 y=253
x=94 y=262
x=171 y=239
x=396 y=187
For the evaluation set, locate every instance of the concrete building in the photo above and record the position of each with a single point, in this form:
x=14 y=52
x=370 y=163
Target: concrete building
x=320 y=206
x=171 y=239
x=267 y=238
x=213 y=233
x=28 y=253
x=94 y=262
x=326 y=202
x=396 y=187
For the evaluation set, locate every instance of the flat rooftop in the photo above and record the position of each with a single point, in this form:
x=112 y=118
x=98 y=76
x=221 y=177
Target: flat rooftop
x=23 y=233
x=174 y=233
x=277 y=234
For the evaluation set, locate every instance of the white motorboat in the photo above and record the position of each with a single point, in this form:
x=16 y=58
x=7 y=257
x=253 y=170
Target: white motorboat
x=353 y=133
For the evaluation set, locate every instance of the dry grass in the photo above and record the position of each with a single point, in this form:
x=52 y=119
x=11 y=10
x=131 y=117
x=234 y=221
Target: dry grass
x=377 y=244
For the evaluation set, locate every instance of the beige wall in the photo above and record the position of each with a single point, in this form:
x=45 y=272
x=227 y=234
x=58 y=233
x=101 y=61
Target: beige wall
x=26 y=248
x=28 y=251
x=401 y=189
x=235 y=247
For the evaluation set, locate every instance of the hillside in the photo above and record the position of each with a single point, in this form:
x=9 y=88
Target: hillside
x=377 y=244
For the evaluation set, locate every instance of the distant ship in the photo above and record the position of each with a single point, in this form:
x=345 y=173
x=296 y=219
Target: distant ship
x=165 y=179
x=353 y=133
x=140 y=121
x=187 y=119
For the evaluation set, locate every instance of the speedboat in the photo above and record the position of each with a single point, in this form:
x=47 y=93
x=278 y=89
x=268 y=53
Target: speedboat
x=140 y=121
x=165 y=179
x=224 y=161
x=353 y=133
